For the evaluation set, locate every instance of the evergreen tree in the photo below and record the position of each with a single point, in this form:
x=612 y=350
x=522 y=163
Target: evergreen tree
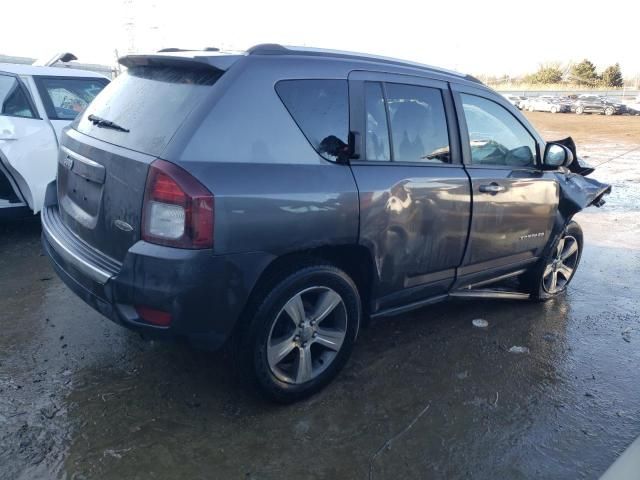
x=584 y=73
x=547 y=74
x=612 y=76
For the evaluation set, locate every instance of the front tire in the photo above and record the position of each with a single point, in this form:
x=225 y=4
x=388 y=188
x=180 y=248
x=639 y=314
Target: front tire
x=301 y=333
x=554 y=109
x=579 y=110
x=609 y=111
x=552 y=275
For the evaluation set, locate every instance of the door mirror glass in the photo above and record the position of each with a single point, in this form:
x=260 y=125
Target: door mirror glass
x=556 y=155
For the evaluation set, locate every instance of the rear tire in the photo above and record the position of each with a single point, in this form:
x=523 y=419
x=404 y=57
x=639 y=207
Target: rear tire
x=300 y=333
x=551 y=275
x=579 y=110
x=609 y=111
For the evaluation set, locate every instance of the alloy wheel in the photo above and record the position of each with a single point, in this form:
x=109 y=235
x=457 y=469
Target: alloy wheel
x=307 y=335
x=563 y=264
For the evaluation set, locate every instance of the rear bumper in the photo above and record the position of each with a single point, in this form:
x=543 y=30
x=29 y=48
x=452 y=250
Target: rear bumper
x=204 y=293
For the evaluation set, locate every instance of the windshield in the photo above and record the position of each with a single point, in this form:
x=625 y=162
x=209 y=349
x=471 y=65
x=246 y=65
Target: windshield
x=149 y=101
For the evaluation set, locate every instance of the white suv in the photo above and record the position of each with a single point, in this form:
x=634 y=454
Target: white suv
x=36 y=103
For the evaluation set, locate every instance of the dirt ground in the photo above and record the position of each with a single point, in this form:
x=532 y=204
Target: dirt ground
x=587 y=128
x=425 y=395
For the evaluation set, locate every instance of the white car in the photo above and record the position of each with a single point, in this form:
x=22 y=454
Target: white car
x=36 y=103
x=634 y=106
x=515 y=100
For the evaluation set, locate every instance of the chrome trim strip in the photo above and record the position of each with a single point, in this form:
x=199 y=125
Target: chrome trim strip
x=83 y=166
x=12 y=205
x=506 y=295
x=390 y=312
x=495 y=279
x=96 y=274
x=79 y=157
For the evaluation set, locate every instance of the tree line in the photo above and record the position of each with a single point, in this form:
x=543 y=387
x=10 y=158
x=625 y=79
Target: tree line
x=583 y=74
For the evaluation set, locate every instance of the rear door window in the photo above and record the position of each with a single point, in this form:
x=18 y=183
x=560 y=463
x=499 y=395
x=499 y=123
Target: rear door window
x=418 y=124
x=13 y=98
x=151 y=102
x=64 y=98
x=321 y=109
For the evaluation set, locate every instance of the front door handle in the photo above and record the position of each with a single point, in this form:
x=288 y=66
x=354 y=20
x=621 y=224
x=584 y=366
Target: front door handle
x=492 y=188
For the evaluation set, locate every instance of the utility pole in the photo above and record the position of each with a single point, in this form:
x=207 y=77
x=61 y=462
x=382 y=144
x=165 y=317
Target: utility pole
x=129 y=25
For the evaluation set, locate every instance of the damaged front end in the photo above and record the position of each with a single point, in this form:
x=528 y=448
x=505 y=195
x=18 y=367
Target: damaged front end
x=576 y=191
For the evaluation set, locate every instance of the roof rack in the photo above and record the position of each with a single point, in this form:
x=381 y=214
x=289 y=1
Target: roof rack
x=268 y=49
x=277 y=49
x=174 y=49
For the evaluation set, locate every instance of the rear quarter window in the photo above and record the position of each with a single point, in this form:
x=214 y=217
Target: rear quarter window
x=13 y=99
x=321 y=109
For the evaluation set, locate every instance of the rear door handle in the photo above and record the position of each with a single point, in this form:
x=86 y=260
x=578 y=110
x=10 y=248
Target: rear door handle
x=492 y=188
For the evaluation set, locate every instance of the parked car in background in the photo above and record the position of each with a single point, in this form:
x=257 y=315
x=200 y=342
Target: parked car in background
x=524 y=104
x=547 y=104
x=566 y=101
x=292 y=192
x=515 y=100
x=595 y=104
x=36 y=103
x=633 y=108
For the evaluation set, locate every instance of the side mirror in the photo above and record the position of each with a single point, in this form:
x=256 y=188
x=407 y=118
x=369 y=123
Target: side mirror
x=556 y=156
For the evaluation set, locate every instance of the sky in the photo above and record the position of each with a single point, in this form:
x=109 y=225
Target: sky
x=478 y=37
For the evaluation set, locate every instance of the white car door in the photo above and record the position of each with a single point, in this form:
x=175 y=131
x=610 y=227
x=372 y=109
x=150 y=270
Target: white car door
x=28 y=147
x=65 y=97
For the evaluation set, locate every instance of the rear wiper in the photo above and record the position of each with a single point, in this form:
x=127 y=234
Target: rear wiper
x=101 y=122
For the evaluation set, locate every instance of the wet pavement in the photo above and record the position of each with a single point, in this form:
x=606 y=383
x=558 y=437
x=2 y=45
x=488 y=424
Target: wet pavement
x=425 y=395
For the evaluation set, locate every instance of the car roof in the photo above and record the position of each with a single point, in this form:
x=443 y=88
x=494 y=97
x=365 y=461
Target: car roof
x=224 y=59
x=20 y=69
x=275 y=49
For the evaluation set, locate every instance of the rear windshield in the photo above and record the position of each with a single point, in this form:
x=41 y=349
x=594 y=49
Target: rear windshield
x=151 y=102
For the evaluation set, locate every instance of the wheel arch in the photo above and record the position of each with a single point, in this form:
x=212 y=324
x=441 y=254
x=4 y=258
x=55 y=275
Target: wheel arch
x=355 y=260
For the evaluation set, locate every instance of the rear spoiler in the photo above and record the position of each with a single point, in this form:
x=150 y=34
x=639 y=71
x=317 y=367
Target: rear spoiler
x=218 y=63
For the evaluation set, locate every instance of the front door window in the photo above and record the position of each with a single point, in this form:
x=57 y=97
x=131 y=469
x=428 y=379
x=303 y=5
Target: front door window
x=495 y=135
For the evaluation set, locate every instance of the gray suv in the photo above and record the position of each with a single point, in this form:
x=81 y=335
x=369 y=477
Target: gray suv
x=276 y=199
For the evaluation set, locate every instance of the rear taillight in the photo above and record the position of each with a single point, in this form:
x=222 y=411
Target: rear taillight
x=154 y=316
x=177 y=209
